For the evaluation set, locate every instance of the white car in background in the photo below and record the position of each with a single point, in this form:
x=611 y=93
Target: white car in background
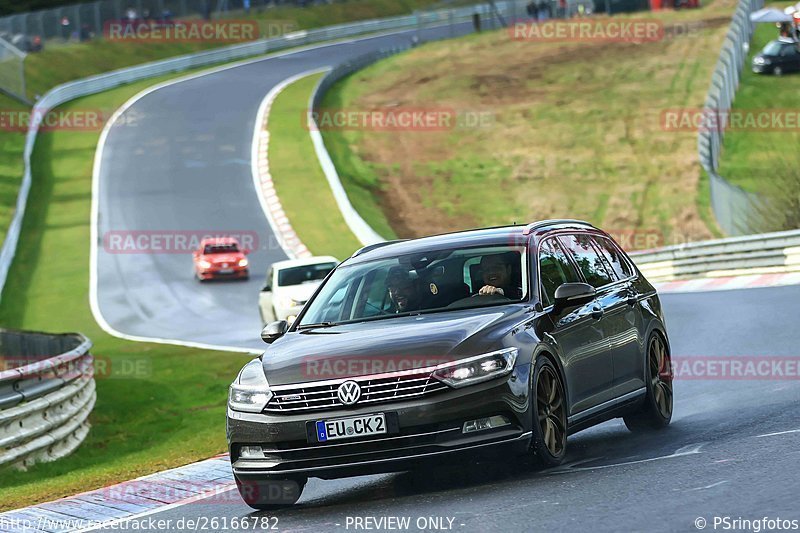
x=289 y=286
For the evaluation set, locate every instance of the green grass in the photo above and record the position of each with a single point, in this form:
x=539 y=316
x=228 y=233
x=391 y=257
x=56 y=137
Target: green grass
x=11 y=168
x=299 y=180
x=576 y=131
x=359 y=177
x=170 y=415
x=59 y=63
x=749 y=157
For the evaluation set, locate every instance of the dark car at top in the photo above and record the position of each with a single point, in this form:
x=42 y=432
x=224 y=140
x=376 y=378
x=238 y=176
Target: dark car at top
x=356 y=385
x=778 y=57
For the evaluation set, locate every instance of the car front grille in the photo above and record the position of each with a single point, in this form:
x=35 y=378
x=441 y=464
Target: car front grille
x=311 y=397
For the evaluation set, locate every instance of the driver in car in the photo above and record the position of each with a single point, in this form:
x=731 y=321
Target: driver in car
x=497 y=277
x=402 y=290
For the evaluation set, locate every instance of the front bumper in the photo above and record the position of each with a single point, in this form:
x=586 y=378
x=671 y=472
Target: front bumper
x=214 y=273
x=429 y=431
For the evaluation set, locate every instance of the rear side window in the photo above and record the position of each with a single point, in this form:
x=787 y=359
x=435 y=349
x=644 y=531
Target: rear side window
x=555 y=268
x=589 y=261
x=619 y=264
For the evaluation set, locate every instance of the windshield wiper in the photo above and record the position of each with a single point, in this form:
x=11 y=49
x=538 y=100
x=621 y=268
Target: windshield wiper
x=301 y=327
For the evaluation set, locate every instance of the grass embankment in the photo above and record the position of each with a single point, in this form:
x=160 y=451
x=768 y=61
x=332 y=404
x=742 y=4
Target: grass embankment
x=576 y=131
x=11 y=168
x=299 y=180
x=59 y=63
x=749 y=158
x=168 y=412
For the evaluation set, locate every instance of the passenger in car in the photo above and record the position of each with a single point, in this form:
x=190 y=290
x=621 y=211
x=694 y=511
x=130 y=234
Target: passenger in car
x=403 y=290
x=498 y=278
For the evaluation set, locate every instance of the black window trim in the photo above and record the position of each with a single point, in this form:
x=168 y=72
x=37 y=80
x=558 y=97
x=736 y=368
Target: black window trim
x=606 y=267
x=569 y=257
x=622 y=255
x=592 y=235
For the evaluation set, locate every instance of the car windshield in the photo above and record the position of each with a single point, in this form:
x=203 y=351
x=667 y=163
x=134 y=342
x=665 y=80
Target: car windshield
x=304 y=274
x=773 y=48
x=220 y=249
x=423 y=282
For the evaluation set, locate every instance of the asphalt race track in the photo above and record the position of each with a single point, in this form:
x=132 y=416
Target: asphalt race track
x=177 y=162
x=731 y=450
x=182 y=164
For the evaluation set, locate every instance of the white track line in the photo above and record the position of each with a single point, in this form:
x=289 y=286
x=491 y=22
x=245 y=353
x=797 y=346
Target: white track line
x=94 y=232
x=778 y=433
x=262 y=178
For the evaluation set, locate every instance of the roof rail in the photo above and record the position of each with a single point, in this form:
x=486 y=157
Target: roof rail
x=530 y=228
x=375 y=246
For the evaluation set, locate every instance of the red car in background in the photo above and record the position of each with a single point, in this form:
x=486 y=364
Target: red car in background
x=220 y=257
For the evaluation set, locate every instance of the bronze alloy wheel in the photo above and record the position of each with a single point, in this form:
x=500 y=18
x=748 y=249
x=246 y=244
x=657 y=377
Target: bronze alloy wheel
x=656 y=411
x=551 y=411
x=660 y=376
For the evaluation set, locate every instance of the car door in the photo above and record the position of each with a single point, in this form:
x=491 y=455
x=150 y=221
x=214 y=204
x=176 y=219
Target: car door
x=578 y=333
x=794 y=58
x=786 y=57
x=624 y=325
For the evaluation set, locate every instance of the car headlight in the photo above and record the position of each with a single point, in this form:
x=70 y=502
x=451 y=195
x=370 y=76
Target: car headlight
x=243 y=262
x=285 y=301
x=204 y=264
x=760 y=61
x=477 y=369
x=250 y=391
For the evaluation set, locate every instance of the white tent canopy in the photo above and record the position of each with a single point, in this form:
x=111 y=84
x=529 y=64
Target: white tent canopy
x=770 y=14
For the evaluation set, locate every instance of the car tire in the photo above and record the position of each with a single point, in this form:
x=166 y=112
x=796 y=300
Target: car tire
x=656 y=411
x=778 y=71
x=272 y=494
x=549 y=411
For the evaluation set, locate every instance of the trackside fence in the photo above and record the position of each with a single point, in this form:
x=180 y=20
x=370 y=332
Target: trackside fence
x=47 y=392
x=752 y=254
x=733 y=207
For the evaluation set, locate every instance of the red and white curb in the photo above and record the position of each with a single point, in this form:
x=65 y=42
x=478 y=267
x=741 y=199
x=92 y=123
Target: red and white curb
x=210 y=480
x=750 y=281
x=262 y=178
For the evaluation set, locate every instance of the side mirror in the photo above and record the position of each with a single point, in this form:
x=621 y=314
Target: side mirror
x=274 y=331
x=570 y=295
x=267 y=288
x=246 y=251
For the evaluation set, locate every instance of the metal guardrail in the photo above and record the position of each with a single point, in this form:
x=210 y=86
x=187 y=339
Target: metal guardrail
x=733 y=207
x=509 y=11
x=45 y=401
x=94 y=84
x=752 y=254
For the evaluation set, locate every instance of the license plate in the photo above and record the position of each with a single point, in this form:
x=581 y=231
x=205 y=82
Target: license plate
x=226 y=271
x=349 y=428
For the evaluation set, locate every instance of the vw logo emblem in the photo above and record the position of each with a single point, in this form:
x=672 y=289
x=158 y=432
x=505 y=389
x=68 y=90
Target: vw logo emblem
x=349 y=392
